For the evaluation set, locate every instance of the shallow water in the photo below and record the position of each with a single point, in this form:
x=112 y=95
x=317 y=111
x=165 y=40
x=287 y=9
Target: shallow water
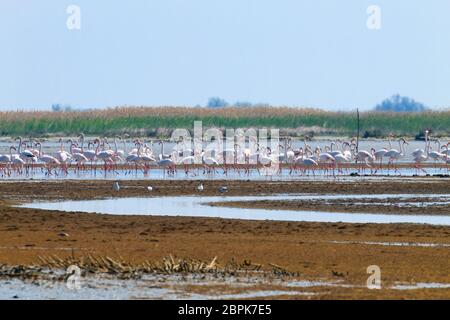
x=156 y=173
x=193 y=287
x=394 y=244
x=51 y=147
x=422 y=285
x=102 y=287
x=197 y=206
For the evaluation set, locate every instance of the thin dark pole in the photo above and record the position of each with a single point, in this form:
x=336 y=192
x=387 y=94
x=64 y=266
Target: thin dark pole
x=357 y=134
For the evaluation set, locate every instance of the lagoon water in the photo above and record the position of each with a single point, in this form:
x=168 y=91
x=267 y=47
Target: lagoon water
x=197 y=206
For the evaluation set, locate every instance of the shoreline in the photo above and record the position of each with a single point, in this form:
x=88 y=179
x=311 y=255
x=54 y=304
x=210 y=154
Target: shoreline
x=415 y=206
x=314 y=250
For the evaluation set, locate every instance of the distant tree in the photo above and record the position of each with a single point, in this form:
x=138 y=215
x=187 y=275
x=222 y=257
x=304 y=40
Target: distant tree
x=57 y=107
x=397 y=103
x=216 y=102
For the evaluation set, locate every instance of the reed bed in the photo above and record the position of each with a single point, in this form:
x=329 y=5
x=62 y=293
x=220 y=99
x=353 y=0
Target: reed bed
x=125 y=270
x=159 y=121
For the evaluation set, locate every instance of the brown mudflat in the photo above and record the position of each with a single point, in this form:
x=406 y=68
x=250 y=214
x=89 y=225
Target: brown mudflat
x=331 y=251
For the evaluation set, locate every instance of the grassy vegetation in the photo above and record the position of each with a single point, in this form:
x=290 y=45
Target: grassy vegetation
x=157 y=121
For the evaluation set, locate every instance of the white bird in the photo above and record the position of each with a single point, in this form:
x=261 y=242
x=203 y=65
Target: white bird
x=17 y=161
x=310 y=164
x=187 y=160
x=116 y=186
x=118 y=152
x=365 y=159
x=364 y=155
x=264 y=160
x=49 y=159
x=90 y=154
x=74 y=147
x=46 y=159
x=200 y=187
x=379 y=154
x=419 y=152
x=330 y=150
x=25 y=154
x=79 y=157
x=4 y=158
x=210 y=161
x=436 y=155
x=132 y=158
x=150 y=188
x=418 y=161
x=165 y=162
x=146 y=158
x=325 y=157
x=63 y=156
x=394 y=154
x=340 y=158
x=162 y=155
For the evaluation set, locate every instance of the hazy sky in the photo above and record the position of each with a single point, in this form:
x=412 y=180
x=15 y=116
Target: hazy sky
x=180 y=52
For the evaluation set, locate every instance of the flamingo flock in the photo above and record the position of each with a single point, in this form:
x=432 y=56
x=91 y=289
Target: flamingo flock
x=27 y=156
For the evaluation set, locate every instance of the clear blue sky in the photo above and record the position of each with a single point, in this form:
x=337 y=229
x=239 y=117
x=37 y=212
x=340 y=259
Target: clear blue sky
x=180 y=52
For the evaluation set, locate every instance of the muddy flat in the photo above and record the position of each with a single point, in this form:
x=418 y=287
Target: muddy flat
x=406 y=253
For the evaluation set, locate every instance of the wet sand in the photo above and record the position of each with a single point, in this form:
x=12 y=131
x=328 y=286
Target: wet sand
x=330 y=251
